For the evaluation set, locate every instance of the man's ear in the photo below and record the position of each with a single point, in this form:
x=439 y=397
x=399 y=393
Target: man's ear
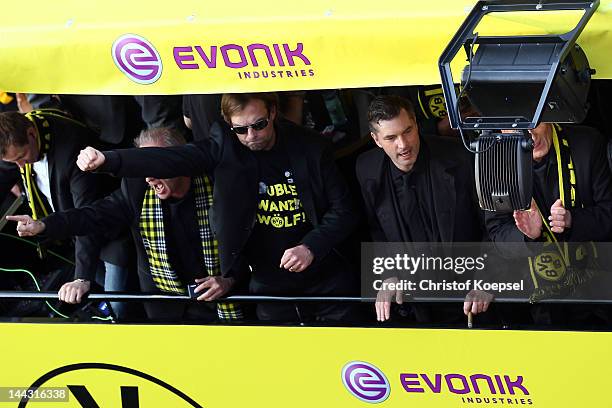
x=273 y=113
x=375 y=139
x=31 y=132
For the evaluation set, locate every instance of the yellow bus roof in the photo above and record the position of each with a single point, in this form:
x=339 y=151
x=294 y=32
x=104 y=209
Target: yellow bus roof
x=187 y=46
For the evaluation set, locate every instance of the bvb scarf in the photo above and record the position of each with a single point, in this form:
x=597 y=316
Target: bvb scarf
x=561 y=267
x=431 y=101
x=39 y=206
x=154 y=240
x=38 y=203
x=36 y=200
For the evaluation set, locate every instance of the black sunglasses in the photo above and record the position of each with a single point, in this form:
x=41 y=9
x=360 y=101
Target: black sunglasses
x=241 y=130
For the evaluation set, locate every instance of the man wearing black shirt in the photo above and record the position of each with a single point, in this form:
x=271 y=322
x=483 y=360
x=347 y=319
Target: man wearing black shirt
x=572 y=203
x=39 y=148
x=175 y=209
x=591 y=217
x=415 y=189
x=280 y=205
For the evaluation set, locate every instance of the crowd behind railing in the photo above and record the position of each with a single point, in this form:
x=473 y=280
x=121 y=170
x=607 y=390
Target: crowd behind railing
x=271 y=194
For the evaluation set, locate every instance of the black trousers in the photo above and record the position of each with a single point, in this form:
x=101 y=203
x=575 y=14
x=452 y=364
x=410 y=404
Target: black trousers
x=331 y=277
x=177 y=312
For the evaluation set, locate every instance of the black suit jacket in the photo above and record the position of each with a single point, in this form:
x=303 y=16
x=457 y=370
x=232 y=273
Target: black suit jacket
x=455 y=205
x=70 y=187
x=324 y=194
x=592 y=222
x=107 y=218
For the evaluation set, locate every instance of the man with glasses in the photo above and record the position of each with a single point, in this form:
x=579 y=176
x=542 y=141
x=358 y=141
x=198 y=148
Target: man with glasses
x=280 y=206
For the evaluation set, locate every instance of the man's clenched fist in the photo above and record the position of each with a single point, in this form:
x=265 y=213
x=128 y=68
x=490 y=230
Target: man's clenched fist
x=90 y=159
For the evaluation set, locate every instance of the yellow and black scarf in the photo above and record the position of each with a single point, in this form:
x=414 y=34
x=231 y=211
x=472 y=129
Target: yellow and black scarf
x=561 y=266
x=38 y=203
x=36 y=200
x=154 y=240
x=431 y=101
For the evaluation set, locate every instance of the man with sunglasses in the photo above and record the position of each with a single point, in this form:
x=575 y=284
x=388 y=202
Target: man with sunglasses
x=280 y=206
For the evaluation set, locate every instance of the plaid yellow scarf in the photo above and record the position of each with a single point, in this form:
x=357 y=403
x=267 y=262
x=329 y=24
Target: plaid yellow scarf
x=561 y=267
x=154 y=240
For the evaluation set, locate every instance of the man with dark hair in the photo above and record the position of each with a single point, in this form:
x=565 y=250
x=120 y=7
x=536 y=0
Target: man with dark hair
x=416 y=189
x=428 y=101
x=14 y=131
x=170 y=225
x=280 y=205
x=40 y=148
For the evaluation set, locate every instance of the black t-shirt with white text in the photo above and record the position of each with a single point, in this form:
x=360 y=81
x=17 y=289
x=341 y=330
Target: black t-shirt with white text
x=280 y=222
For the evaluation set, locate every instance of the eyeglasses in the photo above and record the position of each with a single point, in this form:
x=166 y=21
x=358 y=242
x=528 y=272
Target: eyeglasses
x=260 y=124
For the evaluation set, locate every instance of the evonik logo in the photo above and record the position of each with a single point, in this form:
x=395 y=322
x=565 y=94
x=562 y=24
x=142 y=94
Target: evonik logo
x=461 y=384
x=365 y=382
x=137 y=58
x=368 y=383
x=235 y=55
x=140 y=61
x=472 y=389
x=255 y=61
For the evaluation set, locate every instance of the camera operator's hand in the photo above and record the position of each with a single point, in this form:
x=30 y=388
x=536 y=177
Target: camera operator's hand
x=529 y=222
x=384 y=299
x=26 y=226
x=90 y=159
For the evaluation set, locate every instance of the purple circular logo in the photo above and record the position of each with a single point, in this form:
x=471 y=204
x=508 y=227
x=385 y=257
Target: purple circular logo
x=137 y=59
x=365 y=382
